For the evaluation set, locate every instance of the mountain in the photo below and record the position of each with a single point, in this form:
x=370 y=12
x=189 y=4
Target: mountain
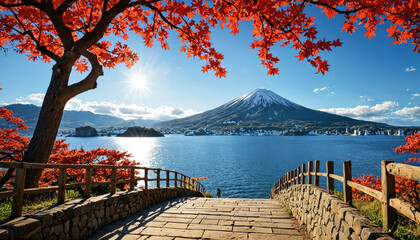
x=261 y=109
x=73 y=119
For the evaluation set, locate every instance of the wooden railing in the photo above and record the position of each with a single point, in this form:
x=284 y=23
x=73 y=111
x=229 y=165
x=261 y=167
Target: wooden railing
x=390 y=203
x=18 y=192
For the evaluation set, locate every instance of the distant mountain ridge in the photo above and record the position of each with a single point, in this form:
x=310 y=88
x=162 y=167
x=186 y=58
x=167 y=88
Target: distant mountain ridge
x=73 y=119
x=261 y=108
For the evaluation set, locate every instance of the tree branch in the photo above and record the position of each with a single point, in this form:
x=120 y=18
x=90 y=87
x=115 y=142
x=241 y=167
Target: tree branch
x=160 y=15
x=89 y=82
x=64 y=32
x=6 y=177
x=64 y=6
x=338 y=10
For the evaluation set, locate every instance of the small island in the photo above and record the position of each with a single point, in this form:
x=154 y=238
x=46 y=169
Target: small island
x=86 y=131
x=140 y=132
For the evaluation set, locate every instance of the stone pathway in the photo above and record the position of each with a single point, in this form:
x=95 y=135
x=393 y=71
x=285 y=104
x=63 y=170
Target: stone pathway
x=207 y=218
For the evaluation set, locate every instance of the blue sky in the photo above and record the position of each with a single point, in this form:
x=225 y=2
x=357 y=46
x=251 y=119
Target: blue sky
x=368 y=79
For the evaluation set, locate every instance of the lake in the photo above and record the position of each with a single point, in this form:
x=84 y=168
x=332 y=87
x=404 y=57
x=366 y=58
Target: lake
x=248 y=166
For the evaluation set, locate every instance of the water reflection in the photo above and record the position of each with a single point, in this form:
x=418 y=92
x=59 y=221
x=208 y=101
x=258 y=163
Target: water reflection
x=143 y=150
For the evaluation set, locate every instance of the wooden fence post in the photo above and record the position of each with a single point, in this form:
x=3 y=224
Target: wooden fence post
x=310 y=169
x=316 y=177
x=288 y=180
x=295 y=177
x=303 y=173
x=291 y=178
x=146 y=176
x=62 y=185
x=158 y=178
x=388 y=190
x=330 y=180
x=347 y=177
x=279 y=187
x=19 y=187
x=113 y=180
x=88 y=182
x=167 y=178
x=176 y=179
x=298 y=175
x=132 y=178
x=282 y=183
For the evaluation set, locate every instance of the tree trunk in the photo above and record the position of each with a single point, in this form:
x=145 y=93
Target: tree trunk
x=42 y=142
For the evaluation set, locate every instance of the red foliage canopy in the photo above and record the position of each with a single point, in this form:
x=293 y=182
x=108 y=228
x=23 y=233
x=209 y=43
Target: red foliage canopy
x=46 y=29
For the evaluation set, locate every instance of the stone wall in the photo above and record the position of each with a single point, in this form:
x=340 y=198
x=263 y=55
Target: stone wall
x=326 y=216
x=78 y=219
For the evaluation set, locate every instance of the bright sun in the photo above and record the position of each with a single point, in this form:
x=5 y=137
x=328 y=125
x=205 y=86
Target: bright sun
x=138 y=81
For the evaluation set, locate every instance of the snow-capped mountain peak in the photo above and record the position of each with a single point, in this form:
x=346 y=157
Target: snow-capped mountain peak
x=262 y=97
x=260 y=109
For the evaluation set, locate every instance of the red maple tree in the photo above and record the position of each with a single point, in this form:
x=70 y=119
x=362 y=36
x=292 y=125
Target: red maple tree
x=13 y=147
x=77 y=33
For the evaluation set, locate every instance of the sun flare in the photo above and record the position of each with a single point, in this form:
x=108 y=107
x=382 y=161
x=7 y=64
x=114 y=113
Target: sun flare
x=138 y=81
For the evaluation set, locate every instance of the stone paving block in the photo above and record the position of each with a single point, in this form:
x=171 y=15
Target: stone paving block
x=285 y=231
x=176 y=220
x=258 y=236
x=152 y=231
x=115 y=236
x=251 y=229
x=214 y=216
x=159 y=238
x=225 y=222
x=197 y=220
x=209 y=234
x=209 y=221
x=152 y=224
x=223 y=209
x=260 y=219
x=176 y=225
x=132 y=229
x=237 y=218
x=210 y=227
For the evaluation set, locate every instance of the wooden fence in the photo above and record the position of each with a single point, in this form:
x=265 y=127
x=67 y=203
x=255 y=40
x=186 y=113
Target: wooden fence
x=18 y=192
x=390 y=203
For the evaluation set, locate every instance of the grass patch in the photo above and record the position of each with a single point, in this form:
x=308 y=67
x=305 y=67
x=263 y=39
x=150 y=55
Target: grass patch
x=339 y=194
x=289 y=212
x=208 y=195
x=372 y=210
x=5 y=209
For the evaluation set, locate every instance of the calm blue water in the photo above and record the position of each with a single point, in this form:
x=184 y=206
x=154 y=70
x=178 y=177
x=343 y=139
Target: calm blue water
x=248 y=166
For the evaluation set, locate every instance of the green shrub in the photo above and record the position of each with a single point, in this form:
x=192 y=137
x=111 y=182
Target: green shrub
x=208 y=195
